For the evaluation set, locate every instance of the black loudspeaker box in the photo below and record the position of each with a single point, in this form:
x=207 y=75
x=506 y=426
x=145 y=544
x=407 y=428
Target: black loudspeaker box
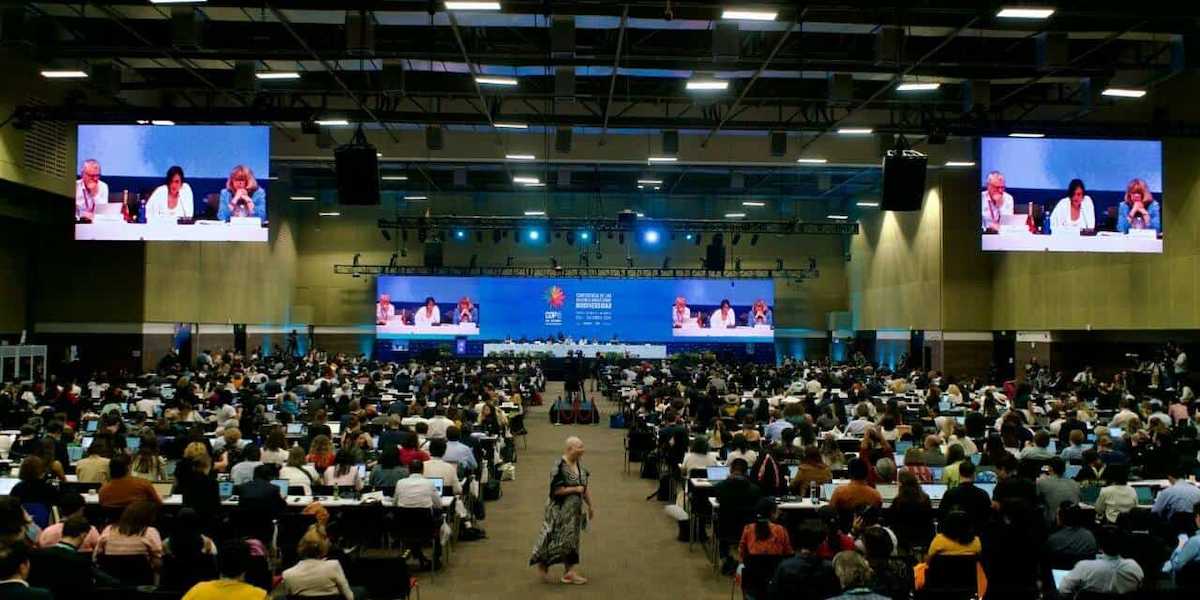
x=714 y=258
x=357 y=175
x=433 y=255
x=903 y=181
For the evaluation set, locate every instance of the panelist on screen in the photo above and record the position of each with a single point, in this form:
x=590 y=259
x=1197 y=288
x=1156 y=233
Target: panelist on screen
x=760 y=314
x=724 y=316
x=997 y=203
x=429 y=314
x=241 y=196
x=172 y=200
x=1139 y=210
x=384 y=310
x=89 y=190
x=681 y=314
x=465 y=312
x=1074 y=212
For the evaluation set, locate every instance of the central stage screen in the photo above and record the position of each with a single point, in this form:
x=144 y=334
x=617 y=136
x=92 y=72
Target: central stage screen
x=531 y=309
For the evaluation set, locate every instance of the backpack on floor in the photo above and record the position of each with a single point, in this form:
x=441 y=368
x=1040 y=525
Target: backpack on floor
x=491 y=490
x=650 y=466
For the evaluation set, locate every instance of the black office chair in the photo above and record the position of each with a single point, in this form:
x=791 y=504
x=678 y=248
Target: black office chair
x=757 y=573
x=415 y=528
x=131 y=571
x=950 y=578
x=290 y=527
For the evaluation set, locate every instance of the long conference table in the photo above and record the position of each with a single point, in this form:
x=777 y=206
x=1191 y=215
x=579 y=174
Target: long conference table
x=171 y=232
x=561 y=350
x=1072 y=243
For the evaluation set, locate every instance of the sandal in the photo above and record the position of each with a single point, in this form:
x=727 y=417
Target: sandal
x=574 y=579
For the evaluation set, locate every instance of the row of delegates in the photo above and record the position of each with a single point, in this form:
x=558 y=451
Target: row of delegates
x=1137 y=210
x=428 y=314
x=724 y=316
x=241 y=196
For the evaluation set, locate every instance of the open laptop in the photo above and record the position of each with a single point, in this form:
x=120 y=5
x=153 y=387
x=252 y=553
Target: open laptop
x=888 y=491
x=7 y=484
x=987 y=487
x=716 y=473
x=133 y=443
x=1145 y=495
x=295 y=428
x=1072 y=471
x=92 y=425
x=282 y=484
x=792 y=470
x=225 y=489
x=1059 y=575
x=163 y=489
x=335 y=428
x=826 y=491
x=935 y=491
x=438 y=484
x=85 y=442
x=74 y=453
x=902 y=447
x=937 y=472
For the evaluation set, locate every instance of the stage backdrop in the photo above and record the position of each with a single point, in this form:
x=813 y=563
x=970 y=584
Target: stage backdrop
x=516 y=309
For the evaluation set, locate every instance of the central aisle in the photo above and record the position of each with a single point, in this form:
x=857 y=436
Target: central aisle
x=629 y=552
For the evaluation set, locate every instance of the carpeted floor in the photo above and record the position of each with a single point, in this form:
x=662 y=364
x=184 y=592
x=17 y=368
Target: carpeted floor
x=629 y=552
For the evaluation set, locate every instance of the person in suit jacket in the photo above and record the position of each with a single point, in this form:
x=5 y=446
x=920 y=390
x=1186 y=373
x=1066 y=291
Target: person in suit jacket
x=14 y=574
x=63 y=569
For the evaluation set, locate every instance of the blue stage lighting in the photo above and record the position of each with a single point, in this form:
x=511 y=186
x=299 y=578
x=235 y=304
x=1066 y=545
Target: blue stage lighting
x=460 y=235
x=534 y=235
x=650 y=236
x=585 y=236
x=688 y=237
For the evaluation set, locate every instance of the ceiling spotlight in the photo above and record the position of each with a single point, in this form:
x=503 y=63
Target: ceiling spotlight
x=688 y=236
x=855 y=131
x=329 y=214
x=303 y=198
x=535 y=185
x=489 y=80
x=535 y=213
x=650 y=181
x=837 y=217
x=707 y=85
x=585 y=236
x=395 y=178
x=64 y=74
x=735 y=215
x=812 y=161
x=1019 y=134
x=867 y=204
x=1123 y=93
x=914 y=86
x=1024 y=12
x=753 y=203
x=520 y=157
x=525 y=179
x=650 y=236
x=661 y=159
x=460 y=5
x=511 y=126
x=534 y=235
x=460 y=235
x=737 y=237
x=736 y=14
x=277 y=75
x=332 y=122
x=416 y=197
x=960 y=163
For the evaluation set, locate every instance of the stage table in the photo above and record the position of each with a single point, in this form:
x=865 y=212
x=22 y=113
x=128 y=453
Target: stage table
x=395 y=327
x=170 y=232
x=1072 y=243
x=741 y=331
x=589 y=350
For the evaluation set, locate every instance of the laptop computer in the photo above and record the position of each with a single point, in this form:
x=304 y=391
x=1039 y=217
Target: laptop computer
x=902 y=447
x=74 y=453
x=282 y=484
x=990 y=488
x=826 y=491
x=1072 y=471
x=295 y=428
x=163 y=489
x=975 y=458
x=438 y=484
x=85 y=442
x=716 y=473
x=1145 y=495
x=334 y=428
x=7 y=484
x=92 y=426
x=935 y=491
x=133 y=442
x=225 y=489
x=888 y=491
x=937 y=472
x=792 y=470
x=1059 y=575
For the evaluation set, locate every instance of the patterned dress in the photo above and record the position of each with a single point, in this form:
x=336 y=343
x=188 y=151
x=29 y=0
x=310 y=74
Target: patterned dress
x=558 y=541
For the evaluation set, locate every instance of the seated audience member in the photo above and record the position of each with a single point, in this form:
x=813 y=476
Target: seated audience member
x=855 y=576
x=133 y=535
x=698 y=457
x=314 y=575
x=437 y=466
x=762 y=538
x=1072 y=541
x=893 y=575
x=260 y=497
x=32 y=487
x=856 y=494
x=836 y=540
x=738 y=496
x=320 y=453
x=885 y=471
x=1053 y=489
x=1116 y=498
x=1180 y=497
x=967 y=497
x=804 y=576
x=956 y=538
x=415 y=491
x=70 y=504
x=955 y=457
x=147 y=463
x=93 y=468
x=1040 y=450
x=914 y=462
x=932 y=455
x=410 y=449
x=911 y=513
x=64 y=567
x=1187 y=552
x=189 y=556
x=387 y=472
x=1073 y=453
x=243 y=471
x=1108 y=573
x=14 y=571
x=739 y=448
x=299 y=472
x=811 y=472
x=1093 y=471
x=458 y=452
x=275 y=450
x=123 y=489
x=343 y=472
x=233 y=560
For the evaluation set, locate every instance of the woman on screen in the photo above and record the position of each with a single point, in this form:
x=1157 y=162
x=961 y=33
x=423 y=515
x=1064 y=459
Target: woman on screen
x=1139 y=210
x=1075 y=212
x=760 y=313
x=241 y=196
x=724 y=316
x=429 y=314
x=385 y=311
x=172 y=200
x=465 y=312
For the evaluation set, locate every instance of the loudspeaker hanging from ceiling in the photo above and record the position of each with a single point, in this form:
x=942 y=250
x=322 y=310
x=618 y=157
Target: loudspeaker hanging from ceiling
x=357 y=168
x=903 y=178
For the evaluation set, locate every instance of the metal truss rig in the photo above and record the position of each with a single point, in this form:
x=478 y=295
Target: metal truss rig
x=358 y=270
x=442 y=224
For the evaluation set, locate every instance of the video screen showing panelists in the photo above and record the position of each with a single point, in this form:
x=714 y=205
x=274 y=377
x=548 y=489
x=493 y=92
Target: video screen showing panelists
x=723 y=308
x=172 y=183
x=427 y=306
x=1073 y=195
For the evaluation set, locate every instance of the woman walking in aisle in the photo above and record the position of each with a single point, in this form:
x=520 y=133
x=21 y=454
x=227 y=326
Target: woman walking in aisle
x=565 y=517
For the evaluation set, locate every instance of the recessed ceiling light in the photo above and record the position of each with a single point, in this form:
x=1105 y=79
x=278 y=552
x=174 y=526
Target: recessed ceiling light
x=641 y=215
x=734 y=215
x=458 y=5
x=1124 y=92
x=741 y=14
x=707 y=84
x=753 y=203
x=661 y=159
x=960 y=163
x=1024 y=12
x=914 y=86
x=163 y=122
x=536 y=184
x=812 y=161
x=395 y=178
x=535 y=213
x=270 y=75
x=416 y=197
x=855 y=131
x=64 y=74
x=330 y=214
x=511 y=126
x=303 y=198
x=332 y=122
x=177 y=1
x=520 y=157
x=837 y=217
x=867 y=204
x=378 y=155
x=489 y=80
x=1020 y=134
x=524 y=179
x=650 y=181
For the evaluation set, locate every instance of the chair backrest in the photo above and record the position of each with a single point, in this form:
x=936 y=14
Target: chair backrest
x=413 y=521
x=40 y=513
x=952 y=573
x=759 y=568
x=129 y=570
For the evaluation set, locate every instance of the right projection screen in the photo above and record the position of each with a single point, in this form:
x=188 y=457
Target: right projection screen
x=1071 y=195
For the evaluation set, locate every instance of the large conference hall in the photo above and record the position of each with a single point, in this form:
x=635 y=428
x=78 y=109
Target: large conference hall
x=625 y=299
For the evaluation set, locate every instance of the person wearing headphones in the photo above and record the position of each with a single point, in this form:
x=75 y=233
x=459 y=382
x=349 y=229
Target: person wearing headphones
x=89 y=190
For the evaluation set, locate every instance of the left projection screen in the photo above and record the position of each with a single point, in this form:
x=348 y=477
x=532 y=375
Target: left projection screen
x=195 y=183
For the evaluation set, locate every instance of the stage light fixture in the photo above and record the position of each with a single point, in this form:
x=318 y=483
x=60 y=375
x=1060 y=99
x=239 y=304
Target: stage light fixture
x=533 y=235
x=478 y=237
x=386 y=234
x=496 y=236
x=754 y=240
x=621 y=238
x=651 y=236
x=688 y=237
x=737 y=237
x=585 y=236
x=460 y=235
x=570 y=238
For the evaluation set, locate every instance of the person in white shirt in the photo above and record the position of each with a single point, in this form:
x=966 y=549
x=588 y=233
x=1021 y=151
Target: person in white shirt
x=680 y=313
x=148 y=406
x=996 y=202
x=415 y=491
x=172 y=200
x=439 y=423
x=384 y=311
x=429 y=314
x=436 y=467
x=1075 y=212
x=89 y=190
x=724 y=316
x=298 y=472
